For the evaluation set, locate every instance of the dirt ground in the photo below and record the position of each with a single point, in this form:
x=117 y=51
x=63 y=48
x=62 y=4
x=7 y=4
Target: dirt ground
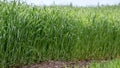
x=57 y=64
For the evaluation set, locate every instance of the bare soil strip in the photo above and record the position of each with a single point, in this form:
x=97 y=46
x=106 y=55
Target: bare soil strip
x=57 y=64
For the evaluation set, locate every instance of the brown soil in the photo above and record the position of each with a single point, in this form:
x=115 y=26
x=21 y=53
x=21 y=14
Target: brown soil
x=57 y=64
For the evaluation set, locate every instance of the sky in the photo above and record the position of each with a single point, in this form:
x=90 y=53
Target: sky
x=74 y=2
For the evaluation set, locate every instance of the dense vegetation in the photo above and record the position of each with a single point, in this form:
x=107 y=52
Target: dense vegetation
x=30 y=34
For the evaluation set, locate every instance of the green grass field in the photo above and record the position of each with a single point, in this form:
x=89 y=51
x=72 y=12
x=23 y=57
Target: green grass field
x=30 y=34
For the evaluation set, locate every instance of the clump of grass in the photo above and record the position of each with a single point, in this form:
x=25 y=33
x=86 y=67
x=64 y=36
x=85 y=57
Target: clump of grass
x=30 y=34
x=109 y=64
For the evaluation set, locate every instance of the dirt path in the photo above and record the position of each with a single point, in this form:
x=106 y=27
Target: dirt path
x=57 y=64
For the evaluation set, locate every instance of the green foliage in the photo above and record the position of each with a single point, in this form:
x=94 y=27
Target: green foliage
x=31 y=34
x=109 y=64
